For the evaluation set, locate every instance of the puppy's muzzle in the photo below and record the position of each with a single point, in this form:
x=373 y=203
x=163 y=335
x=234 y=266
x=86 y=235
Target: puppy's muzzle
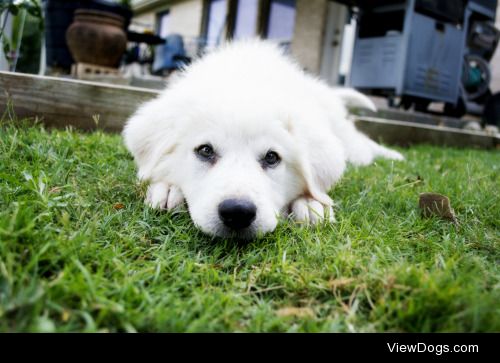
x=237 y=213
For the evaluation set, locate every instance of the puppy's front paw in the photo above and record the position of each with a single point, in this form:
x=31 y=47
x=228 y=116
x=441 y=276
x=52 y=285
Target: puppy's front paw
x=310 y=211
x=163 y=196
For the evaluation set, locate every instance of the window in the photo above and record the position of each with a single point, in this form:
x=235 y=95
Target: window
x=238 y=19
x=246 y=19
x=216 y=22
x=281 y=21
x=163 y=24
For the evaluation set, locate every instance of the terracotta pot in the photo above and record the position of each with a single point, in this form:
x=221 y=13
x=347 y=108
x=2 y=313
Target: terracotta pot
x=97 y=37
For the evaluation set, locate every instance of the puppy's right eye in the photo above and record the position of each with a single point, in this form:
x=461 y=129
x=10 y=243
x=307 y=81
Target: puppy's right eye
x=205 y=153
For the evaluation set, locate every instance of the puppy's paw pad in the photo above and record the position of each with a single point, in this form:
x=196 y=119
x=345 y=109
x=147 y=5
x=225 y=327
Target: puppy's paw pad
x=163 y=196
x=310 y=211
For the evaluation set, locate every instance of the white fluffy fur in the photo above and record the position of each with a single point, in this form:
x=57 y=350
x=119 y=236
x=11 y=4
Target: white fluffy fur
x=246 y=99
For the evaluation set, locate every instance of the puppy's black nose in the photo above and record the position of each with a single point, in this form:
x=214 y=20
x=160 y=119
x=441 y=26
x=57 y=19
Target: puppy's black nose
x=237 y=213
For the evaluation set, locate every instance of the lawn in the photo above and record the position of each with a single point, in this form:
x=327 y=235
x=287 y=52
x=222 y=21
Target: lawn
x=79 y=251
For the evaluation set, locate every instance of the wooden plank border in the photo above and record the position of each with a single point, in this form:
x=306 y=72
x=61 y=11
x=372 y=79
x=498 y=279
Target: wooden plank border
x=406 y=133
x=61 y=102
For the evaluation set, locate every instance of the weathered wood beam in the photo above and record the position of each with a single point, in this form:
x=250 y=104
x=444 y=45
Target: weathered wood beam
x=406 y=133
x=62 y=102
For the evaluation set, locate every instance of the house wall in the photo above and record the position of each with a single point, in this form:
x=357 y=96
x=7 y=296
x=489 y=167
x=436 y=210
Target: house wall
x=307 y=43
x=144 y=21
x=185 y=17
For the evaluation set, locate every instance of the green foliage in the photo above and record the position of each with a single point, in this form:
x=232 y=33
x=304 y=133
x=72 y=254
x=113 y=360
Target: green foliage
x=19 y=10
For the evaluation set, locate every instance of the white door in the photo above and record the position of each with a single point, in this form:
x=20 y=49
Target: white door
x=335 y=43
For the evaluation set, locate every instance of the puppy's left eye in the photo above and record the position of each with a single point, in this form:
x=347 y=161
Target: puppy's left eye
x=206 y=153
x=271 y=159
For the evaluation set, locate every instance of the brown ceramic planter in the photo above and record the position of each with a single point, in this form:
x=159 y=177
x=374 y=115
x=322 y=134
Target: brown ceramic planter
x=97 y=37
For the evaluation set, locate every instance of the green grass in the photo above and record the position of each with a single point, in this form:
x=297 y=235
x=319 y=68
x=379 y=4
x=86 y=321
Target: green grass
x=72 y=260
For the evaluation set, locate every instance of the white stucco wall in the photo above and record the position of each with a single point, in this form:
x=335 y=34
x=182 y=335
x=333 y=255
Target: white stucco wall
x=144 y=22
x=185 y=19
x=185 y=16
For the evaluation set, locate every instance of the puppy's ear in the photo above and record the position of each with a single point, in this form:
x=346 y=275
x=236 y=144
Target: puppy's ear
x=303 y=166
x=312 y=188
x=149 y=135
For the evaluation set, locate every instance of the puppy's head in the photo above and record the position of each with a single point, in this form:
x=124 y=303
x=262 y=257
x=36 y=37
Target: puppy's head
x=238 y=171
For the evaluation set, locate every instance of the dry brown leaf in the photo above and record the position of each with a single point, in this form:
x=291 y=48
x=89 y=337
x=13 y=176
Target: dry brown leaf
x=118 y=206
x=297 y=312
x=433 y=204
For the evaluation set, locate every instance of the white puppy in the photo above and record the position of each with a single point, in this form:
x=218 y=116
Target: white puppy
x=245 y=136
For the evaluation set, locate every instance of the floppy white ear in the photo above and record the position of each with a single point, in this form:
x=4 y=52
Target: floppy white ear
x=302 y=164
x=312 y=188
x=149 y=135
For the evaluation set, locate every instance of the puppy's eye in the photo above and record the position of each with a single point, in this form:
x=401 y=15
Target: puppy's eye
x=271 y=159
x=205 y=152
